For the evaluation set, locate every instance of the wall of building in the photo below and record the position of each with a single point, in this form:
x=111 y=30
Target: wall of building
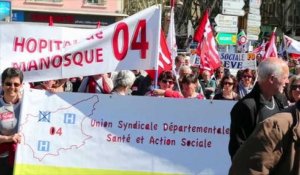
x=68 y=12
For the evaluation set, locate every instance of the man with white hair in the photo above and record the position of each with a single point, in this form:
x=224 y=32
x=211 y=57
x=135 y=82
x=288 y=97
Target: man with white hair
x=123 y=82
x=265 y=99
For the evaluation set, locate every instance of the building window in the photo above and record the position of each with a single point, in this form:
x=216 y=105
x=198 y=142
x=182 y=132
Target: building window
x=96 y=2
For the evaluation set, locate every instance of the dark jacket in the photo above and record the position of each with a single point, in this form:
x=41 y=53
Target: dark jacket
x=245 y=116
x=273 y=148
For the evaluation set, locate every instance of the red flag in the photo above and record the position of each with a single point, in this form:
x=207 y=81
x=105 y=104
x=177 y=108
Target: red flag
x=207 y=51
x=271 y=50
x=203 y=58
x=50 y=21
x=165 y=61
x=200 y=30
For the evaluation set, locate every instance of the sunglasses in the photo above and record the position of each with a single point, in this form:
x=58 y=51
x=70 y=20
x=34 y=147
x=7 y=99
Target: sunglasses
x=295 y=87
x=247 y=76
x=228 y=83
x=9 y=84
x=168 y=81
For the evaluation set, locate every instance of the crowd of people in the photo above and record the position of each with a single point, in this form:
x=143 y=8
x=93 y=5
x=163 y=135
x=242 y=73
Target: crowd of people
x=261 y=95
x=185 y=81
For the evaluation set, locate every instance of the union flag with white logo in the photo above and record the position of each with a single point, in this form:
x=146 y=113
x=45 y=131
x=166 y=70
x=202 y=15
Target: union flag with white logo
x=210 y=59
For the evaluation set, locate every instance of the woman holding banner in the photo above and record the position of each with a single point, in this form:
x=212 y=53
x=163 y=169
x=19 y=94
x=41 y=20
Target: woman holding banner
x=188 y=84
x=166 y=81
x=9 y=118
x=228 y=86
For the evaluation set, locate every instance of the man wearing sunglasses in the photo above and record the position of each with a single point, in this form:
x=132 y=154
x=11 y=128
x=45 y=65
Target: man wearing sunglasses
x=9 y=117
x=265 y=99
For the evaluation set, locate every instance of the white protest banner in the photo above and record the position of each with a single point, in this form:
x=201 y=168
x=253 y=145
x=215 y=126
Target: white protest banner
x=70 y=133
x=238 y=60
x=44 y=52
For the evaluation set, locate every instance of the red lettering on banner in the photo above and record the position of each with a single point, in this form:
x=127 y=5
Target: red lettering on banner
x=137 y=125
x=175 y=128
x=54 y=131
x=67 y=60
x=89 y=60
x=21 y=65
x=196 y=143
x=77 y=58
x=19 y=44
x=42 y=44
x=58 y=44
x=141 y=45
x=120 y=54
x=98 y=35
x=101 y=123
x=162 y=141
x=32 y=45
x=44 y=62
x=32 y=66
x=67 y=43
x=56 y=61
x=114 y=138
x=99 y=55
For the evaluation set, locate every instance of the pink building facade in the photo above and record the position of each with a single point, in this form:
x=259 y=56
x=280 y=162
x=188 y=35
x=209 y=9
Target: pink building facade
x=75 y=13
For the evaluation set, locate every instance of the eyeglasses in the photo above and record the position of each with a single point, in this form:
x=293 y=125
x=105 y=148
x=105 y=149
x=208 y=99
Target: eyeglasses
x=295 y=87
x=228 y=83
x=168 y=81
x=247 y=76
x=9 y=84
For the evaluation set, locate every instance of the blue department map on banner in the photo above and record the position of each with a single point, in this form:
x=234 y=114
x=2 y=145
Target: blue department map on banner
x=77 y=133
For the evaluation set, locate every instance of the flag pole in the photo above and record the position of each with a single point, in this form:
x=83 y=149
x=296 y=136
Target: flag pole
x=275 y=28
x=157 y=55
